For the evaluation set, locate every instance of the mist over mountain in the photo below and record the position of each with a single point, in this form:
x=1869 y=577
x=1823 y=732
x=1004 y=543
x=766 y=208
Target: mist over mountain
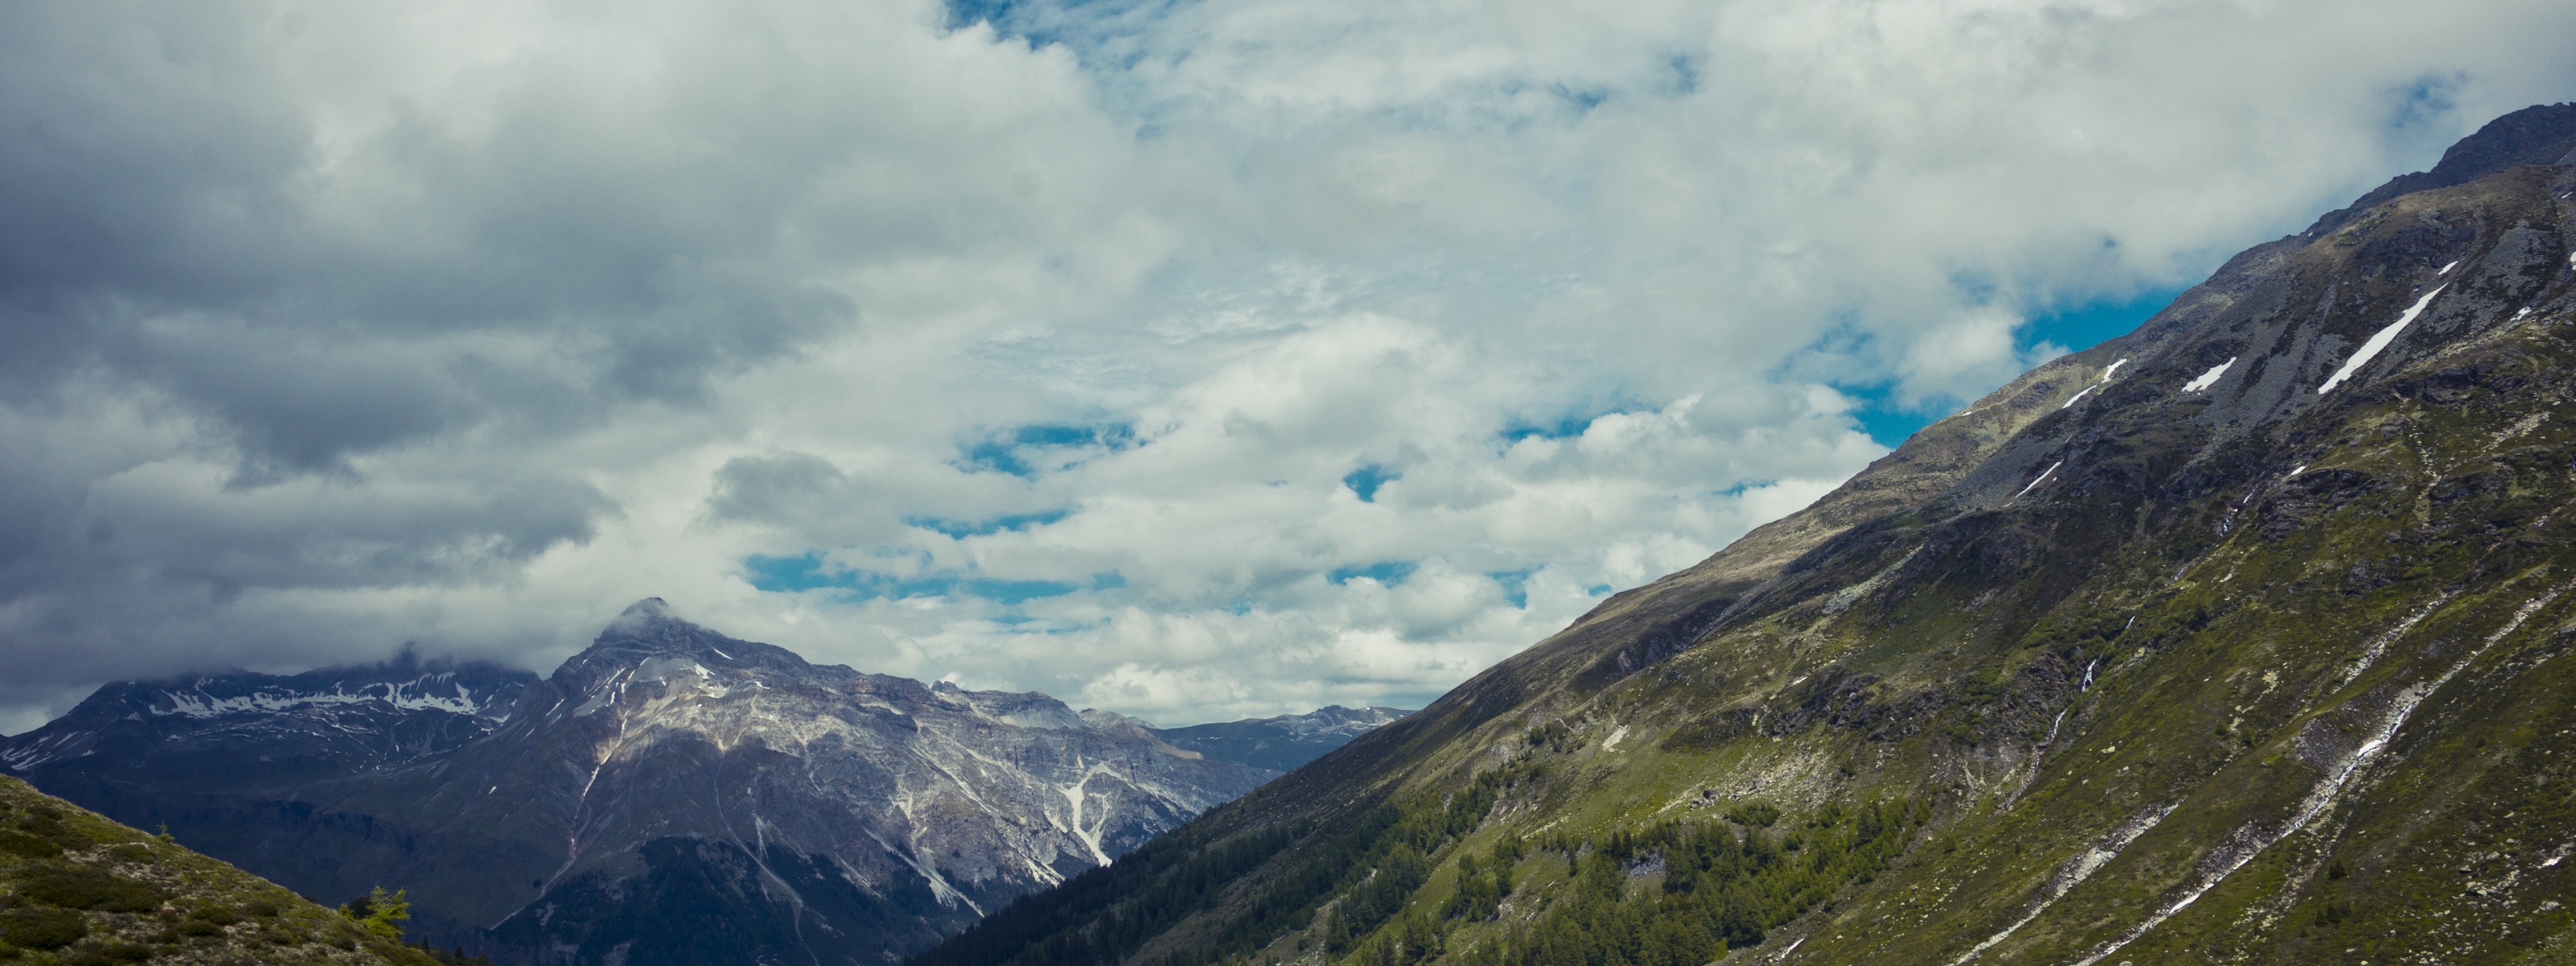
x=668 y=795
x=2237 y=638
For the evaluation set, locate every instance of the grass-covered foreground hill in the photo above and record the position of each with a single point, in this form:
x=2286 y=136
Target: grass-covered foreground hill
x=79 y=890
x=2243 y=638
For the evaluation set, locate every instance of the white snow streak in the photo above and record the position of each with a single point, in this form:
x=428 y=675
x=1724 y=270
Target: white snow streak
x=2378 y=340
x=2210 y=378
x=2088 y=390
x=198 y=704
x=2328 y=789
x=2446 y=269
x=2379 y=645
x=2043 y=478
x=47 y=750
x=2075 y=871
x=1076 y=794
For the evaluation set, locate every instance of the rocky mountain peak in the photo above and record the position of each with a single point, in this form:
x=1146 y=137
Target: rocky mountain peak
x=2542 y=134
x=650 y=632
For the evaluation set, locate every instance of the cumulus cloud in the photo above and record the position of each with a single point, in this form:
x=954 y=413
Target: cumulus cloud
x=1184 y=359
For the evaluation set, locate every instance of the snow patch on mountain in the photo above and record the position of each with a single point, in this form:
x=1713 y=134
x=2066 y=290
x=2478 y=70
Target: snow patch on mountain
x=2378 y=341
x=2210 y=378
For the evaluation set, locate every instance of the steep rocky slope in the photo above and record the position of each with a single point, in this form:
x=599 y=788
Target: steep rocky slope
x=669 y=795
x=76 y=888
x=2233 y=639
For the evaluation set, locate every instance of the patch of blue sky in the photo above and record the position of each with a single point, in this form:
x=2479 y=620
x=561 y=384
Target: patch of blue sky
x=1390 y=573
x=1365 y=481
x=1582 y=100
x=1100 y=33
x=1515 y=584
x=787 y=575
x=1573 y=422
x=1026 y=451
x=1597 y=590
x=1686 y=69
x=2084 y=326
x=2075 y=328
x=1563 y=428
x=805 y=572
x=962 y=529
x=1887 y=423
x=2424 y=111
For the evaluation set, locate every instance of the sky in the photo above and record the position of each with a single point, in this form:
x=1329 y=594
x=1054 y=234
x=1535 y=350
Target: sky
x=1193 y=359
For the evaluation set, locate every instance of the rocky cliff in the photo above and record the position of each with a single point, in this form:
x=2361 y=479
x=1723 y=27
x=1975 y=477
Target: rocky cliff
x=2234 y=639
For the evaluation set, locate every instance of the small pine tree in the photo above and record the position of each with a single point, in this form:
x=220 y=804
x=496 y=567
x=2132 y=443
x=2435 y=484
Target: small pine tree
x=383 y=913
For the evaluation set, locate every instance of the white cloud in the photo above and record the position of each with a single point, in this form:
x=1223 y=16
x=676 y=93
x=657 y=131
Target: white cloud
x=330 y=327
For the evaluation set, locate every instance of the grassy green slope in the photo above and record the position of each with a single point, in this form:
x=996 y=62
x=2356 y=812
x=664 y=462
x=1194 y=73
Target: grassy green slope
x=2253 y=674
x=79 y=890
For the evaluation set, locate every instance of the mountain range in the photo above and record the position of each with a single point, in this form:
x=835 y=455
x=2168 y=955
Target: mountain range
x=669 y=794
x=2233 y=639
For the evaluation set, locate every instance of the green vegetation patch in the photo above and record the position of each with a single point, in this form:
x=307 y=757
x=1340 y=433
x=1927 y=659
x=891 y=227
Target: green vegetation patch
x=1723 y=883
x=77 y=887
x=42 y=928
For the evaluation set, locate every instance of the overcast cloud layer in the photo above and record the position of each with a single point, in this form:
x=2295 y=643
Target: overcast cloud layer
x=1188 y=359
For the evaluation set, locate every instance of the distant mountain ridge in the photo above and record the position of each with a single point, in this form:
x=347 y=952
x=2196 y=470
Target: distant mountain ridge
x=669 y=794
x=248 y=730
x=1283 y=742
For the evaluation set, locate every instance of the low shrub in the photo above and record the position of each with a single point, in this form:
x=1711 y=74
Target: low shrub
x=42 y=928
x=78 y=888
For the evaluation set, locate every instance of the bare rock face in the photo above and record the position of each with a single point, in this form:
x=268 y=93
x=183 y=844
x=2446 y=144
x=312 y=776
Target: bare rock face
x=669 y=795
